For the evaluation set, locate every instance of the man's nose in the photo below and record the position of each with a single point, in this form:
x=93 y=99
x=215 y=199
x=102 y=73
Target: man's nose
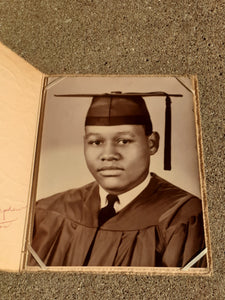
x=109 y=152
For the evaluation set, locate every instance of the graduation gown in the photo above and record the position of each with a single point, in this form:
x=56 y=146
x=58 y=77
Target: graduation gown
x=162 y=226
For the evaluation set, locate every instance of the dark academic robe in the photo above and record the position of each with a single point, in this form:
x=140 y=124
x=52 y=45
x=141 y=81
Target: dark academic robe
x=162 y=226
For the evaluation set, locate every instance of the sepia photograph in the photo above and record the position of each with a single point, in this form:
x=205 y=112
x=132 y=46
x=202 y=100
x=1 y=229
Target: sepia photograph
x=118 y=174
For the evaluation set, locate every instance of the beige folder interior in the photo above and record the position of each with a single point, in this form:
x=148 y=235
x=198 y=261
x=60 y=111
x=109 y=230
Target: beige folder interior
x=20 y=96
x=20 y=102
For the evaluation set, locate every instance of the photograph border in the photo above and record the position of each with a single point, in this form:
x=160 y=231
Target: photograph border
x=126 y=270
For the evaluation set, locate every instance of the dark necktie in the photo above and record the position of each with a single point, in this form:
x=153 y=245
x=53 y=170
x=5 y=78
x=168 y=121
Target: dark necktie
x=108 y=211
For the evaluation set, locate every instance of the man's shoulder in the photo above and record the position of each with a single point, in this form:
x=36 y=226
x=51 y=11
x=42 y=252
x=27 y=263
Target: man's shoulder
x=166 y=188
x=69 y=197
x=176 y=201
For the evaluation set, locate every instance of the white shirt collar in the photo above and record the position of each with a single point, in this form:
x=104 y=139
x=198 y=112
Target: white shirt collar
x=124 y=198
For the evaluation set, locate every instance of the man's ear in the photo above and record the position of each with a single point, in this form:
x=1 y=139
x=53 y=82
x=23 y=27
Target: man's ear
x=153 y=142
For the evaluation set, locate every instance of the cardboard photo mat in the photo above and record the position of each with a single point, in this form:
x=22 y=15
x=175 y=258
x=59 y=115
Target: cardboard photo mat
x=53 y=148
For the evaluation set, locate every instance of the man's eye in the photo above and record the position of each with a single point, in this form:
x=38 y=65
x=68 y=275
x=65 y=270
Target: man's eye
x=124 y=142
x=95 y=143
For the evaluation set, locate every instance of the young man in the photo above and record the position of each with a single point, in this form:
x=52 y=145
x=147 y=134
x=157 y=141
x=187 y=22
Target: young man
x=128 y=216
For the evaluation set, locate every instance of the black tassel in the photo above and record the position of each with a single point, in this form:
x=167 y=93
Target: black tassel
x=167 y=146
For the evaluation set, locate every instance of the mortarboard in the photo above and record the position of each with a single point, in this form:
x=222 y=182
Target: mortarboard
x=118 y=108
x=109 y=110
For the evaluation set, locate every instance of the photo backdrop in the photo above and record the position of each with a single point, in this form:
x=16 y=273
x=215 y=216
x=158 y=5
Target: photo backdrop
x=62 y=164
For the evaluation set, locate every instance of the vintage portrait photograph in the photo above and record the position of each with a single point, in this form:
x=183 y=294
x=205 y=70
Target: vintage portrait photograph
x=118 y=176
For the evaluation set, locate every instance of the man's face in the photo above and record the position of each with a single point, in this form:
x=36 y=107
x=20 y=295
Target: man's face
x=117 y=156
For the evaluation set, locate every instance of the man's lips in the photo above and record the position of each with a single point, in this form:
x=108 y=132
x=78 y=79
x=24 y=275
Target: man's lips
x=110 y=171
x=109 y=168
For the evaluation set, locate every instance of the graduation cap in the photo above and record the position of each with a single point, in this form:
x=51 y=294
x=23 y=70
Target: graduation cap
x=117 y=108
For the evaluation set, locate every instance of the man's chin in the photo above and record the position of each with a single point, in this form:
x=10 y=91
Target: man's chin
x=112 y=184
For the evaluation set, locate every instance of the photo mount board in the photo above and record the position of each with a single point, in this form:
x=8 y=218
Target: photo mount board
x=20 y=76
